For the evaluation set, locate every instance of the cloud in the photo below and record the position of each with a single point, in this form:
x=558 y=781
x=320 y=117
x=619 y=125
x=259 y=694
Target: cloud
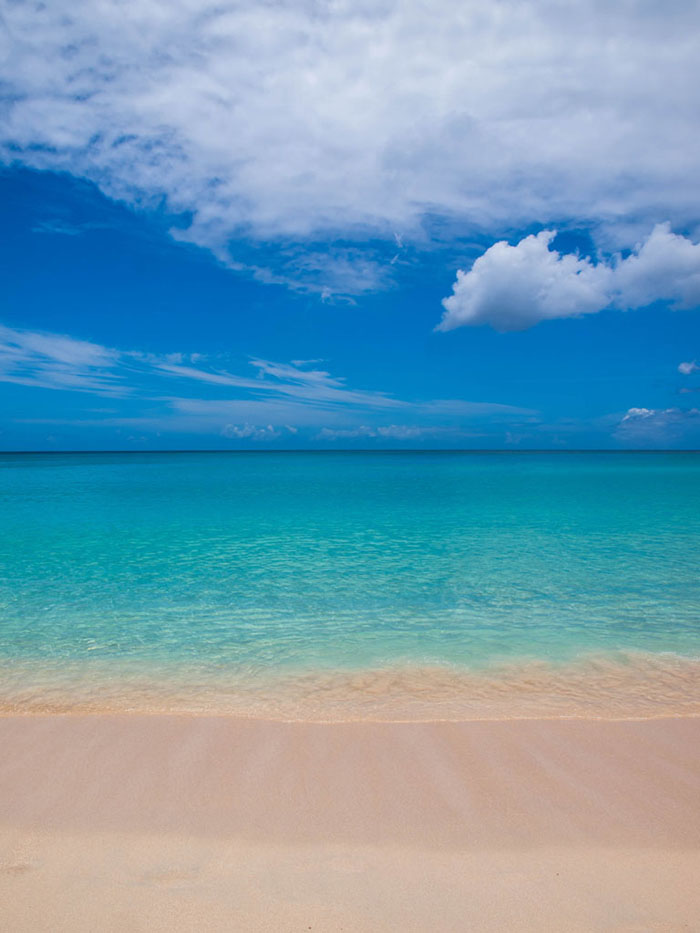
x=687 y=368
x=300 y=121
x=514 y=287
x=66 y=228
x=459 y=408
x=396 y=432
x=314 y=386
x=337 y=270
x=277 y=397
x=659 y=426
x=54 y=361
x=249 y=431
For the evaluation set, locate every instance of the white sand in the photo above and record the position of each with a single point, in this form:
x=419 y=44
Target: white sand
x=121 y=823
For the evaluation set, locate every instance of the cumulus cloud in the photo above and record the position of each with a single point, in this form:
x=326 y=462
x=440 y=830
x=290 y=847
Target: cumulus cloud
x=297 y=120
x=687 y=368
x=249 y=431
x=514 y=287
x=659 y=426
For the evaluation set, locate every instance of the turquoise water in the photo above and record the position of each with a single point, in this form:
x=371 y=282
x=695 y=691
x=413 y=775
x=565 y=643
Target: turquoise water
x=238 y=565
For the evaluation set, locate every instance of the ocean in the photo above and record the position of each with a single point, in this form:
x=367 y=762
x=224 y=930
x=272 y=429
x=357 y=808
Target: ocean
x=334 y=585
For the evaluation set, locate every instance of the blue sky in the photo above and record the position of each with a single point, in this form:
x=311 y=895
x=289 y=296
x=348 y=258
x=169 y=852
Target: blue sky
x=351 y=225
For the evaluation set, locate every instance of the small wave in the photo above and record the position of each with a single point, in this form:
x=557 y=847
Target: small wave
x=615 y=686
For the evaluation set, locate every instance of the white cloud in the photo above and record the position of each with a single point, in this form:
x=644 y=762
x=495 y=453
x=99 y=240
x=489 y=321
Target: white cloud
x=395 y=432
x=312 y=385
x=659 y=426
x=687 y=368
x=249 y=432
x=458 y=408
x=514 y=287
x=664 y=267
x=54 y=361
x=298 y=120
x=281 y=397
x=644 y=414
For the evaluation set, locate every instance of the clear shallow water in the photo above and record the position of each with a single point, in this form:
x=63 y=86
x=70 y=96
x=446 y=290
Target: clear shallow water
x=211 y=580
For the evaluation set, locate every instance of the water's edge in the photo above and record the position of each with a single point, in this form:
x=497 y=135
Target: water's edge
x=621 y=686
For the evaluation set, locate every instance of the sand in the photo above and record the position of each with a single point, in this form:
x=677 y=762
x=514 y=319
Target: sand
x=196 y=823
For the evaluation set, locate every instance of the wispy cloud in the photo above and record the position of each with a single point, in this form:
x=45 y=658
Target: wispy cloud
x=459 y=408
x=318 y=386
x=315 y=386
x=275 y=400
x=54 y=361
x=394 y=432
x=67 y=228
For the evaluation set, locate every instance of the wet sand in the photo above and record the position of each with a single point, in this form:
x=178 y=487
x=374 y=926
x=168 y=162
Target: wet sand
x=196 y=823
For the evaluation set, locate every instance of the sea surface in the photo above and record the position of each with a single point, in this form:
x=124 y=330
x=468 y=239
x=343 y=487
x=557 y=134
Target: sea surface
x=351 y=584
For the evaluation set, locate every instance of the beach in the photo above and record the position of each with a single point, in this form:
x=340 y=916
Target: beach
x=349 y=692
x=157 y=822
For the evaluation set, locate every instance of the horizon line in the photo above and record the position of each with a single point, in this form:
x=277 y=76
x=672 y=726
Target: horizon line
x=367 y=450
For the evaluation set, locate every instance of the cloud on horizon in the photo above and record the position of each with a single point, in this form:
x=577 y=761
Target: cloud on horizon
x=318 y=122
x=658 y=427
x=514 y=287
x=250 y=431
x=394 y=432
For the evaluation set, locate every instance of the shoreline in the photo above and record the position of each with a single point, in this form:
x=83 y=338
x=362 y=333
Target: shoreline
x=616 y=686
x=137 y=822
x=262 y=719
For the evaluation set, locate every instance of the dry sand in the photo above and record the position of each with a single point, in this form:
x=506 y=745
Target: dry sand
x=195 y=823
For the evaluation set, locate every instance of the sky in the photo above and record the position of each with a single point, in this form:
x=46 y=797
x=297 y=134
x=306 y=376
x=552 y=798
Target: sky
x=329 y=224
